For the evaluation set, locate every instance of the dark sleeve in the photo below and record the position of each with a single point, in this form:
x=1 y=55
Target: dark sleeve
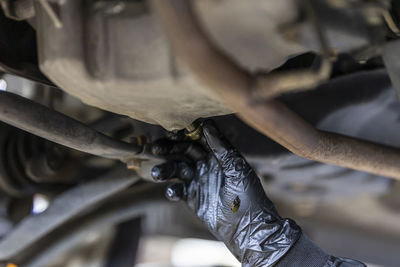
x=306 y=254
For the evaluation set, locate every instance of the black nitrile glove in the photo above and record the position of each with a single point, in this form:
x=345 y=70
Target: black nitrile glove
x=226 y=194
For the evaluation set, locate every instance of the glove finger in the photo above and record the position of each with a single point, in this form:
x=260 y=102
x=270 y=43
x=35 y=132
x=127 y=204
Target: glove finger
x=173 y=169
x=186 y=171
x=216 y=141
x=176 y=192
x=232 y=162
x=187 y=149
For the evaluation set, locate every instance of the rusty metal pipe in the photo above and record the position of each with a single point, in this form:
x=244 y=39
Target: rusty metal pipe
x=233 y=84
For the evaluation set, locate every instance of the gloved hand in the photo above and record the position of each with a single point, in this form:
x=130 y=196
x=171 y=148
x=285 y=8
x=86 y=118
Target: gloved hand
x=222 y=189
x=226 y=194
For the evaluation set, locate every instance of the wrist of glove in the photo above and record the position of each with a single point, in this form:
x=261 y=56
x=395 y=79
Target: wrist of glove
x=227 y=196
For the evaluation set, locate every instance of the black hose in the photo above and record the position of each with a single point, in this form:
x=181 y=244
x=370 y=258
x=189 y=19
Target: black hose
x=59 y=128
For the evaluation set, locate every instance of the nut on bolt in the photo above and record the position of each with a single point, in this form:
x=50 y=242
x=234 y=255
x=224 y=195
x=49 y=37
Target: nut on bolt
x=134 y=164
x=193 y=131
x=139 y=140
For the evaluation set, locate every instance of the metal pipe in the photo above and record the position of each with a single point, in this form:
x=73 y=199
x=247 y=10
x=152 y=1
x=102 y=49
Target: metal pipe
x=274 y=84
x=58 y=128
x=233 y=84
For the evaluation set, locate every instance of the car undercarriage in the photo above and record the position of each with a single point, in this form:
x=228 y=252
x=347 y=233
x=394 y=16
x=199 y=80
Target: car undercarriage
x=307 y=90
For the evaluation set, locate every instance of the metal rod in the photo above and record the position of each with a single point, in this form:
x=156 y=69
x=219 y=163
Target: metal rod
x=271 y=85
x=56 y=127
x=274 y=84
x=233 y=84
